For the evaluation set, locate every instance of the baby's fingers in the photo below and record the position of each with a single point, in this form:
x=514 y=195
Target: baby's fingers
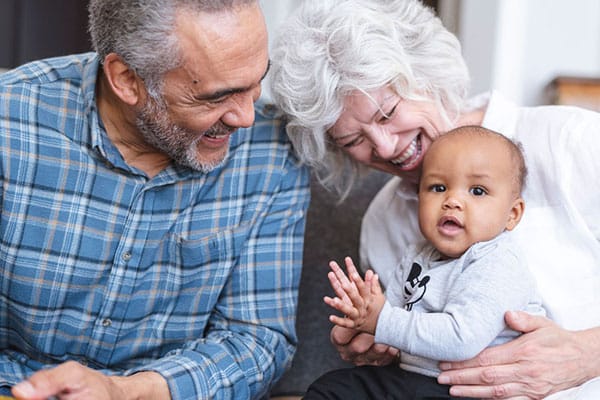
x=353 y=274
x=355 y=277
x=376 y=286
x=341 y=306
x=346 y=284
x=338 y=288
x=373 y=284
x=343 y=322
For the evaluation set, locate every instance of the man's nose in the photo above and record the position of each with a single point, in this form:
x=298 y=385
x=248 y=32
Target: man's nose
x=241 y=111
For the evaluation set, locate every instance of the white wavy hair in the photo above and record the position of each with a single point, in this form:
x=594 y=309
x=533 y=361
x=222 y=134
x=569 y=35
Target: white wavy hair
x=329 y=48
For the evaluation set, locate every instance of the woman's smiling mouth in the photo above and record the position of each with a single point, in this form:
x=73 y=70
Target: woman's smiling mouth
x=411 y=155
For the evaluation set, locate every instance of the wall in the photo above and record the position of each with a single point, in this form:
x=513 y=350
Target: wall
x=275 y=13
x=519 y=46
x=515 y=46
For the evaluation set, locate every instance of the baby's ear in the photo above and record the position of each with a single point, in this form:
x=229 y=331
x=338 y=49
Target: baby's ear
x=515 y=214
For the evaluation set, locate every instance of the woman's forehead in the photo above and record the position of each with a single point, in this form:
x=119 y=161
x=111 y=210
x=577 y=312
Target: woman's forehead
x=363 y=106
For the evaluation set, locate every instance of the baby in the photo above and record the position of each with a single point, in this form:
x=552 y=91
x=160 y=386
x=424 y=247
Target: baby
x=448 y=297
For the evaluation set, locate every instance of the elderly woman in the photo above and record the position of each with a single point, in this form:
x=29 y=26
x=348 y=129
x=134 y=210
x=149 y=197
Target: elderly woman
x=371 y=83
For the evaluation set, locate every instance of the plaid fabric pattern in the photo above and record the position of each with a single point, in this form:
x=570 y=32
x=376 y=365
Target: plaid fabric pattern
x=192 y=275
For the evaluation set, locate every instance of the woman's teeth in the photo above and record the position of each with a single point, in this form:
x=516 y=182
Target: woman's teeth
x=410 y=154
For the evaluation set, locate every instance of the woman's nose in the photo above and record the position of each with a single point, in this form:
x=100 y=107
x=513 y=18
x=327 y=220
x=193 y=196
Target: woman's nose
x=384 y=145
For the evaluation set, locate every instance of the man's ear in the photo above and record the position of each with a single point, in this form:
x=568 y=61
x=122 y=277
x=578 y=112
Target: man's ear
x=123 y=81
x=516 y=212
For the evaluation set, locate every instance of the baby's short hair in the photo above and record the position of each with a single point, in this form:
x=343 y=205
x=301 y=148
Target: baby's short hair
x=515 y=149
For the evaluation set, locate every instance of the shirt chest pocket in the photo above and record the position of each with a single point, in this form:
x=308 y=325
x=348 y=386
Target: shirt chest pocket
x=206 y=263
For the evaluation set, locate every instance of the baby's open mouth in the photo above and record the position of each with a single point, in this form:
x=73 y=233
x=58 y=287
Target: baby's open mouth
x=450 y=222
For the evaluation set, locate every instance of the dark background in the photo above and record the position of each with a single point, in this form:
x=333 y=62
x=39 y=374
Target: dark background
x=33 y=29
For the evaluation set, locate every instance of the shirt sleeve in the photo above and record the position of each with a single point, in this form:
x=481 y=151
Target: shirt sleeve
x=472 y=316
x=250 y=338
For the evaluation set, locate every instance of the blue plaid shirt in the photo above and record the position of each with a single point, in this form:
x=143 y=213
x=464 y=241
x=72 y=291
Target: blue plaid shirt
x=192 y=275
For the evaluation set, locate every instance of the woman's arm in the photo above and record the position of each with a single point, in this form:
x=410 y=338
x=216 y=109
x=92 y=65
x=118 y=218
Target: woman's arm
x=544 y=360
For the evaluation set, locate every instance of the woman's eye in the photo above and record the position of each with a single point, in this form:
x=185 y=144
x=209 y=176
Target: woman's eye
x=478 y=191
x=438 y=188
x=388 y=115
x=353 y=142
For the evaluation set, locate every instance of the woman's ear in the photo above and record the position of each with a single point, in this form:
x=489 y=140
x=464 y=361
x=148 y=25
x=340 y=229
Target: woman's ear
x=123 y=81
x=516 y=212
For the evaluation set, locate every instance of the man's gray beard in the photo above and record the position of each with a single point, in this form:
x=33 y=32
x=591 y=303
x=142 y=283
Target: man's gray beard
x=153 y=122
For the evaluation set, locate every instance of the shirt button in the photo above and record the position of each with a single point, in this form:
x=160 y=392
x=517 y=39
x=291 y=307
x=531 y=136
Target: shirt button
x=106 y=322
x=126 y=256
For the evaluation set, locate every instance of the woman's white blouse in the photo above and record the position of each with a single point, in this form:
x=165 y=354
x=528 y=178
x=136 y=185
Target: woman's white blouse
x=560 y=229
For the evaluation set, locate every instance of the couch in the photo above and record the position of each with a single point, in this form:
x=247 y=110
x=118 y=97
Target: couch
x=332 y=232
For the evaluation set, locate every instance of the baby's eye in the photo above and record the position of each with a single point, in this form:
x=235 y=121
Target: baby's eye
x=437 y=188
x=478 y=191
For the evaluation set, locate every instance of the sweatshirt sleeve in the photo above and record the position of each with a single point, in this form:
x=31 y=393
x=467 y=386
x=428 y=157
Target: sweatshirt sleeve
x=472 y=315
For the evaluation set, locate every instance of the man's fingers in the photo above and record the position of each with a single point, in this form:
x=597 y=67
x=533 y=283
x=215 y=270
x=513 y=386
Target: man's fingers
x=25 y=390
x=47 y=383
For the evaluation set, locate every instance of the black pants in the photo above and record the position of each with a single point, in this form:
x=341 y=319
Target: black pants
x=377 y=383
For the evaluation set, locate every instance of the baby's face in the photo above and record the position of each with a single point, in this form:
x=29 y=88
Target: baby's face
x=467 y=192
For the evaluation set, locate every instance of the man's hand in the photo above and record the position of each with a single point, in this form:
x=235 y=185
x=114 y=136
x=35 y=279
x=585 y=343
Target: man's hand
x=360 y=348
x=73 y=381
x=544 y=360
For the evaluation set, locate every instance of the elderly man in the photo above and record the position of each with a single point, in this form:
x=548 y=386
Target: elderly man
x=151 y=223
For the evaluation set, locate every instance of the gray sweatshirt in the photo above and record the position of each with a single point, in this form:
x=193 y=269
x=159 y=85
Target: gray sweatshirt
x=451 y=310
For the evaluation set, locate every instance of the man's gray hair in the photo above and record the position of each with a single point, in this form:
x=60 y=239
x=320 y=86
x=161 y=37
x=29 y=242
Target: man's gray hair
x=142 y=32
x=330 y=48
